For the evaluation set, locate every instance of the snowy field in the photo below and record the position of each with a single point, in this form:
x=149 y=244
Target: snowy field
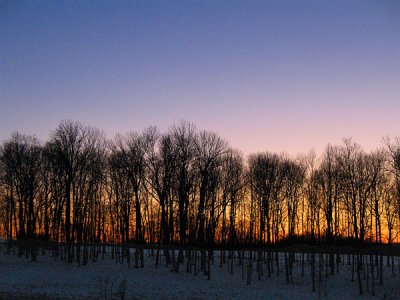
x=105 y=279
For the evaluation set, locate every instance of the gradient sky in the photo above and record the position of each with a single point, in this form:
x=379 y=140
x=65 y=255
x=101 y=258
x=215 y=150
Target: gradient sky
x=266 y=75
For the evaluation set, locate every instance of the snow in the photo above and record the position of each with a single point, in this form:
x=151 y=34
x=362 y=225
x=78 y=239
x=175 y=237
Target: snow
x=106 y=279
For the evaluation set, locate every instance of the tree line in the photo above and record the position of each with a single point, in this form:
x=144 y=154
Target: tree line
x=188 y=187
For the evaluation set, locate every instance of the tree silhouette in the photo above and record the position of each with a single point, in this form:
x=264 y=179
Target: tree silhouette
x=187 y=188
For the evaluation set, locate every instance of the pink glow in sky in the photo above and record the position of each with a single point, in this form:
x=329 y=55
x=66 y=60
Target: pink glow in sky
x=274 y=75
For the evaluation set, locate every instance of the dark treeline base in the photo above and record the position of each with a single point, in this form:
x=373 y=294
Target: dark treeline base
x=365 y=249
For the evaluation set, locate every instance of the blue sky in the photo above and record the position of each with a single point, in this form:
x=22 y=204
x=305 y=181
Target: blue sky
x=266 y=75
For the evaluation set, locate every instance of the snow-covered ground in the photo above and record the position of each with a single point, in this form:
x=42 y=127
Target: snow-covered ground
x=105 y=279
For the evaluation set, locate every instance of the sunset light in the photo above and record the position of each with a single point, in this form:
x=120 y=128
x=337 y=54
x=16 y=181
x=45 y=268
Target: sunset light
x=250 y=147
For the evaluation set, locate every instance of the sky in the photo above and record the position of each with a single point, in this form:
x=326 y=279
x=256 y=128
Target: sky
x=266 y=75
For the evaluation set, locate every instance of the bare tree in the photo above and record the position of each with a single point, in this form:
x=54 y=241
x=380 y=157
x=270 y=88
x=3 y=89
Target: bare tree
x=160 y=168
x=294 y=178
x=233 y=187
x=265 y=174
x=375 y=163
x=350 y=162
x=312 y=194
x=209 y=148
x=21 y=159
x=329 y=183
x=393 y=150
x=67 y=143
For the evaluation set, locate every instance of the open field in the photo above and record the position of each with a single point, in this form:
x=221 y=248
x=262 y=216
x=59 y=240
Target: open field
x=107 y=279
